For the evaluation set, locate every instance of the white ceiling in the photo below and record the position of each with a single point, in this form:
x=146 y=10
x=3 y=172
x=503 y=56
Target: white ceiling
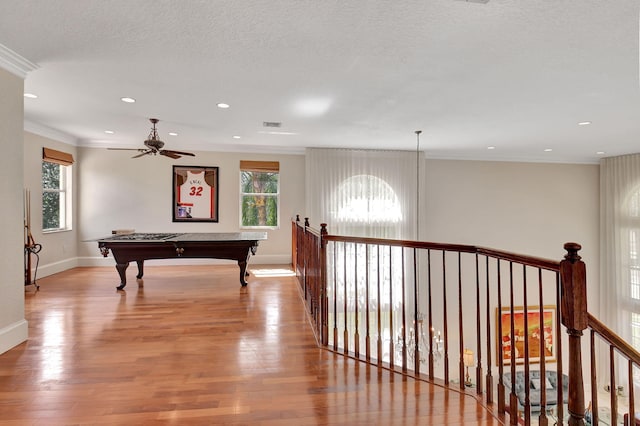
x=514 y=74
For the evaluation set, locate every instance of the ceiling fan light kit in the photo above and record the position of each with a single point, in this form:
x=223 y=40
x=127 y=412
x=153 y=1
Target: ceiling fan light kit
x=154 y=145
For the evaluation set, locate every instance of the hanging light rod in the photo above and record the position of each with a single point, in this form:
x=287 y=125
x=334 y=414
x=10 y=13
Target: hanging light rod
x=417 y=132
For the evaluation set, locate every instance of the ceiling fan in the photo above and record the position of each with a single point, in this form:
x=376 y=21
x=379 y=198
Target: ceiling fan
x=154 y=145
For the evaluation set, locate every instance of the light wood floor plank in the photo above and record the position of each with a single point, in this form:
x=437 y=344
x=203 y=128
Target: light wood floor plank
x=189 y=345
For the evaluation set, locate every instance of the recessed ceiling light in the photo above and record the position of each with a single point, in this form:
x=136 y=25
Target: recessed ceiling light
x=548 y=150
x=600 y=152
x=584 y=123
x=313 y=107
x=223 y=105
x=491 y=147
x=173 y=134
x=30 y=96
x=109 y=132
x=236 y=137
x=128 y=100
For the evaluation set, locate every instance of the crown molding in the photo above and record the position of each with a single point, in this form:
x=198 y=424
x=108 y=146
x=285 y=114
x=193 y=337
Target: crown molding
x=14 y=63
x=513 y=159
x=48 y=132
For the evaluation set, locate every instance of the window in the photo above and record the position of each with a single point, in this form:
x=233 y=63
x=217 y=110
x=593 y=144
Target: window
x=635 y=330
x=633 y=218
x=56 y=190
x=259 y=194
x=366 y=206
x=633 y=263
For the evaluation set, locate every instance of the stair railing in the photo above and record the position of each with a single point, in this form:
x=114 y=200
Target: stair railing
x=415 y=307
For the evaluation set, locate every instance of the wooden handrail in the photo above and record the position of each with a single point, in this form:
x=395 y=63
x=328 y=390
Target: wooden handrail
x=537 y=262
x=613 y=339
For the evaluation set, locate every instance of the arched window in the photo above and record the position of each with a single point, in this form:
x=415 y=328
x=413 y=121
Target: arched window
x=366 y=205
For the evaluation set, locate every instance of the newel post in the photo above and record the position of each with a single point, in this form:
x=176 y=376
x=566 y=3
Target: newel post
x=574 y=317
x=324 y=300
x=294 y=243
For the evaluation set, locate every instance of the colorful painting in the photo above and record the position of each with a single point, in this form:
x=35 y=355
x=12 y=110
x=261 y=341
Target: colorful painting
x=537 y=331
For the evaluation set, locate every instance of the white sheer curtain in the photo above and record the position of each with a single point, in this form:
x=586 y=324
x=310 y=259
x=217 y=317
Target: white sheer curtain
x=366 y=193
x=619 y=222
x=370 y=193
x=619 y=245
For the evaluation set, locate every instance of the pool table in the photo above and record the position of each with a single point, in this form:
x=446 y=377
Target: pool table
x=138 y=247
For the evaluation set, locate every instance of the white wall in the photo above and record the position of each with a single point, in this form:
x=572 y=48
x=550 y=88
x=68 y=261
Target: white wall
x=116 y=191
x=528 y=208
x=13 y=326
x=59 y=249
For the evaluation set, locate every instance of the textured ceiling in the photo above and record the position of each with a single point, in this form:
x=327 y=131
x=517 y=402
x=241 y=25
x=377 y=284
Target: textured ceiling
x=517 y=75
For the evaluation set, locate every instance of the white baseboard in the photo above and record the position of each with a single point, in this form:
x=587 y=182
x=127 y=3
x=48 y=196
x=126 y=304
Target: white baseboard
x=13 y=334
x=54 y=268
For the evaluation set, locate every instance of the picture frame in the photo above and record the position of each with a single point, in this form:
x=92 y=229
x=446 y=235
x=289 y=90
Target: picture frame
x=195 y=194
x=533 y=335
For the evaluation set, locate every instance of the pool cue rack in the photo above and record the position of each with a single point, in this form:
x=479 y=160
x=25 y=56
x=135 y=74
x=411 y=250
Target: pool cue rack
x=31 y=248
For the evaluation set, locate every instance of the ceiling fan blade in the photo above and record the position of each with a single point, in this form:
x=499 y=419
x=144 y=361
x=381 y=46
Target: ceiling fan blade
x=144 y=152
x=154 y=145
x=169 y=151
x=170 y=154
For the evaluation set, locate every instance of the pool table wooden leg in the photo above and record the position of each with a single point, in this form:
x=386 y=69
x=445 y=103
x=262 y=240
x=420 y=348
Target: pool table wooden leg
x=140 y=268
x=243 y=272
x=122 y=271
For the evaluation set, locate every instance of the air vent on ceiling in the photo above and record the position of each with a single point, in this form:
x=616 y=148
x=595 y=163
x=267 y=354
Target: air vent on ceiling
x=271 y=124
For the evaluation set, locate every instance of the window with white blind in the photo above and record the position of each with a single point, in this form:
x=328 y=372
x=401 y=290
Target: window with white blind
x=56 y=190
x=260 y=194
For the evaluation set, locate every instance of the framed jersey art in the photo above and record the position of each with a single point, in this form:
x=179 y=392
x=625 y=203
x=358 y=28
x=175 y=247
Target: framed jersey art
x=195 y=194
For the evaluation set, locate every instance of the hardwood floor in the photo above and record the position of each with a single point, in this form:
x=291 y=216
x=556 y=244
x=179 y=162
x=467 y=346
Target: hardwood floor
x=191 y=346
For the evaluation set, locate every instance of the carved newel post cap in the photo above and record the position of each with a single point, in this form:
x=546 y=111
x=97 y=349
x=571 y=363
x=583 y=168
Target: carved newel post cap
x=297 y=218
x=306 y=221
x=572 y=252
x=323 y=228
